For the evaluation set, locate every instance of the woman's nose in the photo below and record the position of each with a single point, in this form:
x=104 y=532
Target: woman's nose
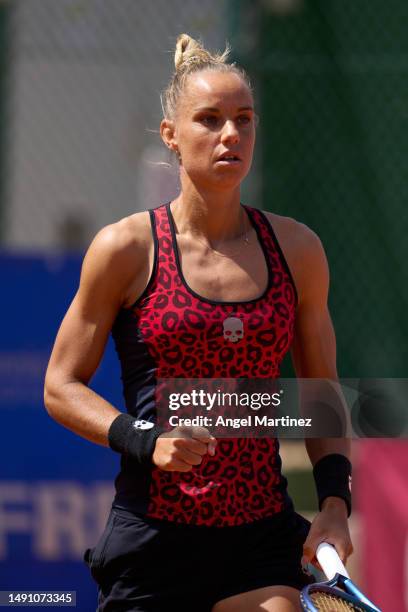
x=230 y=132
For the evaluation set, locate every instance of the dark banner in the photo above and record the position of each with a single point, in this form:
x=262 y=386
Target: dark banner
x=55 y=487
x=285 y=407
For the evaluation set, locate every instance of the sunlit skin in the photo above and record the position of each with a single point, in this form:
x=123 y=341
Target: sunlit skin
x=215 y=116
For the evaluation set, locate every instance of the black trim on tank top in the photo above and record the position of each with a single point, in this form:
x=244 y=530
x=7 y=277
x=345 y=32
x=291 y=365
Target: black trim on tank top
x=280 y=252
x=218 y=302
x=155 y=260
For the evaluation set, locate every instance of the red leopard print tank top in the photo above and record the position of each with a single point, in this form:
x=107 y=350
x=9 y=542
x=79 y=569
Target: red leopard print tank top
x=171 y=332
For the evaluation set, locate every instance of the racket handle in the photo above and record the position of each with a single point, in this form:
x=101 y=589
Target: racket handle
x=330 y=561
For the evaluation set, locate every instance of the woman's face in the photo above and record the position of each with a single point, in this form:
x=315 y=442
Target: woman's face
x=214 y=129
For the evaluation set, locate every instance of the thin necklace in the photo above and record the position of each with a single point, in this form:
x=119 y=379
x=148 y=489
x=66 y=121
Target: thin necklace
x=244 y=235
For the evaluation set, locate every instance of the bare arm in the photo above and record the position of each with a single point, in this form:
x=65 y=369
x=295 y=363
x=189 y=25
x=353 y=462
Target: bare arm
x=314 y=345
x=109 y=270
x=105 y=278
x=314 y=356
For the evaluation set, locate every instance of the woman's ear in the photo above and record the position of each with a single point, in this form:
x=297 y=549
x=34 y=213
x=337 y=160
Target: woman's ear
x=167 y=132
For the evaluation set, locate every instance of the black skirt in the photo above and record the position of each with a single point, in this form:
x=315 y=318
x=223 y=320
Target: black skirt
x=149 y=565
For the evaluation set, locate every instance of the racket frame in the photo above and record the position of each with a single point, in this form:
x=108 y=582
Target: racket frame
x=350 y=593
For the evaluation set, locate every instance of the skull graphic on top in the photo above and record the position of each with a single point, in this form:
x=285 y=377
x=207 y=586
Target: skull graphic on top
x=233 y=329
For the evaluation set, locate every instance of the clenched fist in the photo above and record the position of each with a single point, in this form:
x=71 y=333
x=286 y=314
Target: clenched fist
x=182 y=447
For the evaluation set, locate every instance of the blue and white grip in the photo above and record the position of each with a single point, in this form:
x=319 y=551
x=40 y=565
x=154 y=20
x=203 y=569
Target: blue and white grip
x=330 y=561
x=331 y=564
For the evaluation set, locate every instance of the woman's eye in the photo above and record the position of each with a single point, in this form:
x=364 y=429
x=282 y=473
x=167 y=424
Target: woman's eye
x=213 y=120
x=210 y=120
x=244 y=120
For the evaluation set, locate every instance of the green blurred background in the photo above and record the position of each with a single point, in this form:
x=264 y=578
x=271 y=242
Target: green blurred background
x=331 y=79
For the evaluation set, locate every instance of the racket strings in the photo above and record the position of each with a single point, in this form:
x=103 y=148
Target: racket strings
x=325 y=602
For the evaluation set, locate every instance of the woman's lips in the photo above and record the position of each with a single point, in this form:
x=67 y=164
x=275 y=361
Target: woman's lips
x=229 y=156
x=229 y=161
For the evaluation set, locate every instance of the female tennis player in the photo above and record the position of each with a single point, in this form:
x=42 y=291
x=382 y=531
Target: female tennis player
x=202 y=287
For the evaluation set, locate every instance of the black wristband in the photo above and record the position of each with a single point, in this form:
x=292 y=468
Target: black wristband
x=132 y=437
x=332 y=474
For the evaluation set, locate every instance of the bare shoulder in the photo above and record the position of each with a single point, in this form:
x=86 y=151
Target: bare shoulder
x=303 y=251
x=127 y=235
x=119 y=255
x=303 y=239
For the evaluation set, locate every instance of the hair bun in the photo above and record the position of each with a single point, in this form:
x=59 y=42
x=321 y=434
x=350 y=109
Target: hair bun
x=188 y=48
x=191 y=56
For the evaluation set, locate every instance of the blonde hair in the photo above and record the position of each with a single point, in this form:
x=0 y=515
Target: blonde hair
x=190 y=56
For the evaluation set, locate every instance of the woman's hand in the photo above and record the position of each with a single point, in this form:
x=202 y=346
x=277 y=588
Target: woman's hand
x=182 y=448
x=331 y=526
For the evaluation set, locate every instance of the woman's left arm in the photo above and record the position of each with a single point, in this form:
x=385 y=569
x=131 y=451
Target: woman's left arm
x=314 y=356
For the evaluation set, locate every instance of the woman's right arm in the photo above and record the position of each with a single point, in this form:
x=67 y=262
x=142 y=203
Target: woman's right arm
x=109 y=268
x=112 y=265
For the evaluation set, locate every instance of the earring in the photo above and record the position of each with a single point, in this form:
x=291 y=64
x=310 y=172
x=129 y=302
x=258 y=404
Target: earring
x=177 y=152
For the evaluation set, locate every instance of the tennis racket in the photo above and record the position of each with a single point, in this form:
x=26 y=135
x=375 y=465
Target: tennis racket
x=339 y=593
